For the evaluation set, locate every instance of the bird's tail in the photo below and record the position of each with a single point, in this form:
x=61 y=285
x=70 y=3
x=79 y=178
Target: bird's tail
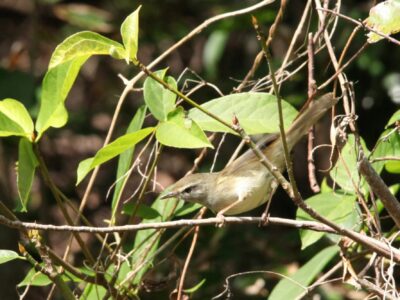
x=308 y=118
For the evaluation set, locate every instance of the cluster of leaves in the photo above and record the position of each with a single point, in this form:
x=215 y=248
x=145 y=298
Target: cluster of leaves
x=175 y=128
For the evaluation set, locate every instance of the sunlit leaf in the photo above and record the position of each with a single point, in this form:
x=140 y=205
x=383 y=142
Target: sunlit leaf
x=181 y=132
x=15 y=119
x=394 y=118
x=338 y=208
x=384 y=17
x=130 y=33
x=257 y=113
x=27 y=163
x=125 y=158
x=85 y=44
x=159 y=100
x=55 y=88
x=8 y=255
x=110 y=151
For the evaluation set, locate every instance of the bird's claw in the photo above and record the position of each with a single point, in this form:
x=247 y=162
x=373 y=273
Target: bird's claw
x=264 y=219
x=221 y=220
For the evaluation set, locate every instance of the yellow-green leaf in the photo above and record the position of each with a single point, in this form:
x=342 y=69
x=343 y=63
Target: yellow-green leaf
x=130 y=33
x=15 y=119
x=110 y=151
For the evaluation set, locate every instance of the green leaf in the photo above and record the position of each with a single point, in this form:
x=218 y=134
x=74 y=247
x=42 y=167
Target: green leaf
x=384 y=17
x=186 y=209
x=15 y=119
x=181 y=132
x=395 y=117
x=196 y=287
x=27 y=163
x=125 y=158
x=110 y=151
x=130 y=33
x=345 y=173
x=83 y=45
x=257 y=113
x=93 y=292
x=292 y=288
x=389 y=146
x=142 y=211
x=8 y=255
x=213 y=50
x=340 y=209
x=35 y=278
x=55 y=88
x=159 y=100
x=64 y=66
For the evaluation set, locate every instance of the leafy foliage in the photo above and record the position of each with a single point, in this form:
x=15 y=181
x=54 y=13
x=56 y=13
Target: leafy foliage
x=129 y=263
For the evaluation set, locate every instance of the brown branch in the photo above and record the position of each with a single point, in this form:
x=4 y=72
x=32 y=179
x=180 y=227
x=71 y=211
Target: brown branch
x=375 y=245
x=379 y=187
x=312 y=87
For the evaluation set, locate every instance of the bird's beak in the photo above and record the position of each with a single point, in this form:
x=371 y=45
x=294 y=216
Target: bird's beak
x=169 y=195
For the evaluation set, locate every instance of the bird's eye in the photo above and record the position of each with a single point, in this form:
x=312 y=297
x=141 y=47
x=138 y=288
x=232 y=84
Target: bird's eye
x=188 y=190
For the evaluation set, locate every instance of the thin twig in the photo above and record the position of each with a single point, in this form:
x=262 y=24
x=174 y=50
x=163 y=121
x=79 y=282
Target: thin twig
x=362 y=24
x=188 y=257
x=379 y=187
x=311 y=93
x=375 y=245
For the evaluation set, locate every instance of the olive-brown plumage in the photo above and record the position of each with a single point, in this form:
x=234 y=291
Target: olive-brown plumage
x=246 y=183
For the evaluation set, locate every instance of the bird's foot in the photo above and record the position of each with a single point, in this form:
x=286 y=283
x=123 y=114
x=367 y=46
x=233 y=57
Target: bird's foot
x=221 y=220
x=264 y=219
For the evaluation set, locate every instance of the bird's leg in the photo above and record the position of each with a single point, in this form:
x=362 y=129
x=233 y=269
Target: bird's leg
x=220 y=214
x=265 y=214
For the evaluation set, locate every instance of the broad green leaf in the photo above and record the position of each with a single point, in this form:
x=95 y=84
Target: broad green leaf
x=384 y=17
x=340 y=209
x=85 y=44
x=8 y=255
x=389 y=146
x=394 y=118
x=27 y=163
x=55 y=88
x=93 y=292
x=125 y=158
x=15 y=119
x=130 y=33
x=159 y=100
x=345 y=173
x=35 y=278
x=142 y=211
x=181 y=132
x=298 y=282
x=110 y=151
x=257 y=113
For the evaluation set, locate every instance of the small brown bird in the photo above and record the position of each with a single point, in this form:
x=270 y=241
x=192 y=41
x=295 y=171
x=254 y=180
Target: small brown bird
x=246 y=183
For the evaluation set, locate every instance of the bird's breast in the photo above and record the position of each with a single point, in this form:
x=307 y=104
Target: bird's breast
x=252 y=188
